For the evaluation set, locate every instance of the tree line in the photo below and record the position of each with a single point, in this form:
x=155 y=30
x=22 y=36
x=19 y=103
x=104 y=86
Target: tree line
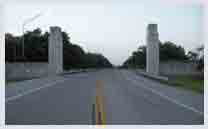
x=167 y=51
x=36 y=50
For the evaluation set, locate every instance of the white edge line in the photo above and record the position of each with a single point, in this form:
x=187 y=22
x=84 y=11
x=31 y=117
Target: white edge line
x=167 y=98
x=31 y=91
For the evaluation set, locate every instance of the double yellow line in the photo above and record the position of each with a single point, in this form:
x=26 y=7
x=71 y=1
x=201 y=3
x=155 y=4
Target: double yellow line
x=100 y=115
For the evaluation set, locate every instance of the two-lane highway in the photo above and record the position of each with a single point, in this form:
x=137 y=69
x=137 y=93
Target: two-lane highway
x=108 y=96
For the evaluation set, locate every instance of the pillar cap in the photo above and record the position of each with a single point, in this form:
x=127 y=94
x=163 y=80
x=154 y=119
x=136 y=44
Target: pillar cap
x=152 y=27
x=54 y=28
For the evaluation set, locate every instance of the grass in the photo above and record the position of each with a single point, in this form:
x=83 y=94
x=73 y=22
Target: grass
x=190 y=82
x=20 y=79
x=195 y=83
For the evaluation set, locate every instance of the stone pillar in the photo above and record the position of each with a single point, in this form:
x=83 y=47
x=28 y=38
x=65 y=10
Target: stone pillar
x=55 y=51
x=152 y=57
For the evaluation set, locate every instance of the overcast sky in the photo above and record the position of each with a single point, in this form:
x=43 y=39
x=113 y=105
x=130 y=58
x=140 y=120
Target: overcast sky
x=113 y=29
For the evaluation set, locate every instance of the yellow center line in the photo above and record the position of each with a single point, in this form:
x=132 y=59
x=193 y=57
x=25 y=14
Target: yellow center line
x=100 y=113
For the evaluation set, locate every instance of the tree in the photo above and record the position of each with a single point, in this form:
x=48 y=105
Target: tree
x=137 y=59
x=12 y=46
x=197 y=56
x=167 y=50
x=192 y=56
x=36 y=50
x=200 y=61
x=36 y=45
x=170 y=51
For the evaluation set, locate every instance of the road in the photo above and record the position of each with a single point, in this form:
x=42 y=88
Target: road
x=108 y=96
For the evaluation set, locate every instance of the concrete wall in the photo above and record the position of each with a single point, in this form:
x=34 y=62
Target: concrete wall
x=18 y=71
x=175 y=67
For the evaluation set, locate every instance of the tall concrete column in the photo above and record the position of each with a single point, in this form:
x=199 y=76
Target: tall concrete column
x=152 y=57
x=55 y=51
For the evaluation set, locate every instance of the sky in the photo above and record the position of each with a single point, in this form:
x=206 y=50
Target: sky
x=115 y=29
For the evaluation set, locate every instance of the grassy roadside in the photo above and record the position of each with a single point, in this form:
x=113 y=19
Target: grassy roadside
x=190 y=82
x=194 y=83
x=19 y=80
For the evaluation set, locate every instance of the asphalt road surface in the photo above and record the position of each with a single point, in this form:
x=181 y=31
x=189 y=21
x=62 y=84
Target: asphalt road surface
x=108 y=96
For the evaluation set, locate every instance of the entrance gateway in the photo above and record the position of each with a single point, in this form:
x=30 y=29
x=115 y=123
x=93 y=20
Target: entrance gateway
x=55 y=51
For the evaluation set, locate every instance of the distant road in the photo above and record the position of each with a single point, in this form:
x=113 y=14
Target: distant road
x=108 y=96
